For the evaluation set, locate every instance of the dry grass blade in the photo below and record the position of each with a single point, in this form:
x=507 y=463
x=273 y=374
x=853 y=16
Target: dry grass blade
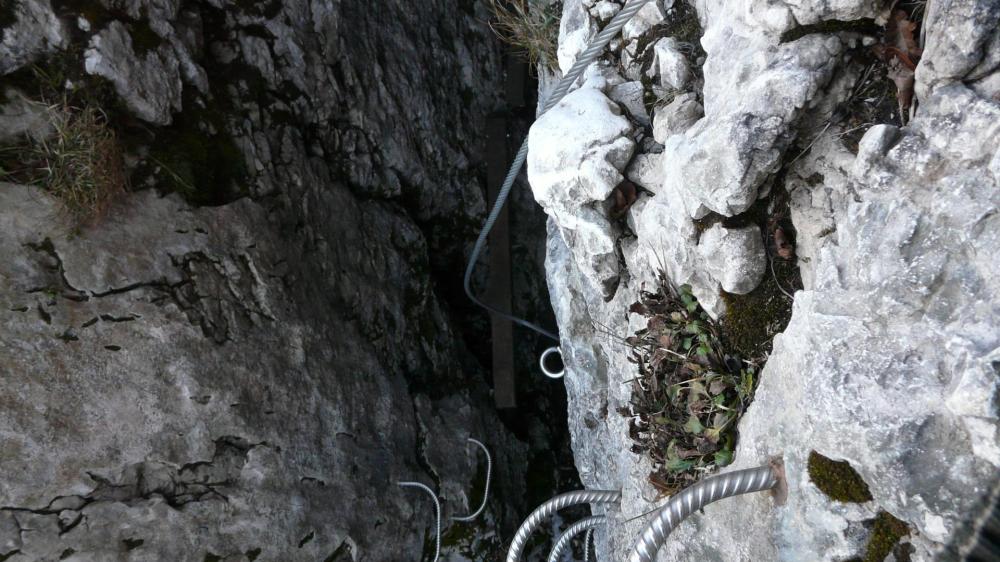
x=81 y=165
x=530 y=26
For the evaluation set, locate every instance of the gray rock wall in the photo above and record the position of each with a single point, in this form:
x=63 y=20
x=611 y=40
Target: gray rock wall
x=890 y=358
x=248 y=381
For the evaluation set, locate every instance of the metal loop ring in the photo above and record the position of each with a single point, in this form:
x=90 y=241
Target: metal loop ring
x=541 y=363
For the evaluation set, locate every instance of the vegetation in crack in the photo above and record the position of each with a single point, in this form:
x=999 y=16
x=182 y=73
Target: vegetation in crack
x=683 y=26
x=883 y=92
x=79 y=155
x=96 y=135
x=690 y=391
x=194 y=156
x=531 y=27
x=476 y=539
x=751 y=321
x=885 y=539
x=81 y=164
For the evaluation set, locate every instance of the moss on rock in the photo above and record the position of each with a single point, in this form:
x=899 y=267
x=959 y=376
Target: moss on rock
x=885 y=536
x=837 y=479
x=752 y=320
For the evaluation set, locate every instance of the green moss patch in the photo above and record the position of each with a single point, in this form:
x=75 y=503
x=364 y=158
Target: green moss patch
x=752 y=320
x=886 y=533
x=837 y=479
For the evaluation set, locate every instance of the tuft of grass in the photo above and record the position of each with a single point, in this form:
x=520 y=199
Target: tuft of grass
x=81 y=164
x=530 y=26
x=690 y=392
x=837 y=479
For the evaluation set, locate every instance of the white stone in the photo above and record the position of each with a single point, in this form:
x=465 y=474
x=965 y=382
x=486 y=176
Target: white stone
x=36 y=31
x=676 y=117
x=646 y=171
x=576 y=30
x=605 y=10
x=20 y=116
x=150 y=84
x=576 y=153
x=670 y=64
x=734 y=256
x=630 y=95
x=727 y=155
x=645 y=19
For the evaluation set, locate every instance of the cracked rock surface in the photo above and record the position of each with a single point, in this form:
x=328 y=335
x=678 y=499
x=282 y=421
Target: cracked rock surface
x=249 y=380
x=890 y=360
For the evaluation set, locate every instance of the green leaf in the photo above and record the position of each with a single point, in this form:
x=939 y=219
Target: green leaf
x=673 y=392
x=693 y=425
x=723 y=457
x=678 y=465
x=712 y=434
x=691 y=307
x=687 y=343
x=702 y=350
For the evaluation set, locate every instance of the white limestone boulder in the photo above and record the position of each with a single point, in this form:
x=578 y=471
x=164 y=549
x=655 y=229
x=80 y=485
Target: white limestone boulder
x=576 y=154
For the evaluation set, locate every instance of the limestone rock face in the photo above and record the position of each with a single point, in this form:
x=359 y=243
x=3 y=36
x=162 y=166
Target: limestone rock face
x=150 y=84
x=670 y=64
x=34 y=31
x=720 y=163
x=734 y=256
x=890 y=359
x=576 y=154
x=250 y=380
x=676 y=117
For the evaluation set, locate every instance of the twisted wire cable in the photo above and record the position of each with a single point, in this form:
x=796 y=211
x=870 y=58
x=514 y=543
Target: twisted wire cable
x=562 y=545
x=437 y=507
x=586 y=545
x=583 y=60
x=542 y=512
x=694 y=498
x=486 y=489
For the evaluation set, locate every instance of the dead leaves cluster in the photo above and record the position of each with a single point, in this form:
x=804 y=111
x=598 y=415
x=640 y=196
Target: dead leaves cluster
x=900 y=52
x=689 y=393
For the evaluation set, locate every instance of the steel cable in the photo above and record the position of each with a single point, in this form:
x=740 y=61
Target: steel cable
x=583 y=525
x=542 y=512
x=437 y=507
x=694 y=498
x=583 y=60
x=486 y=488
